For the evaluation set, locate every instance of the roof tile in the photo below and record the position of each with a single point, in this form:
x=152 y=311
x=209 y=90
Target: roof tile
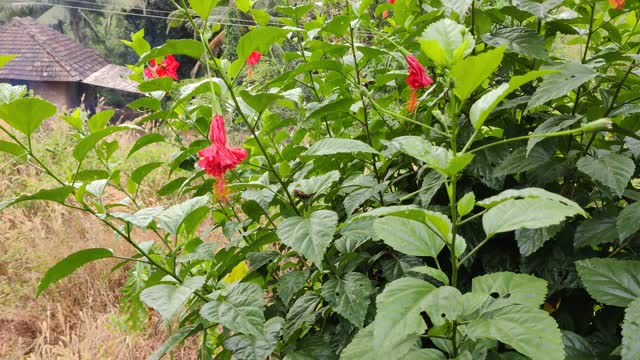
x=44 y=54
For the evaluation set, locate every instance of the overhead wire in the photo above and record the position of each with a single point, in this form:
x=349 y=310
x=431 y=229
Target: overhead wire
x=233 y=21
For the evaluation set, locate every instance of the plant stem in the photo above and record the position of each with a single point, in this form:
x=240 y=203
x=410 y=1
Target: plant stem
x=238 y=108
x=365 y=112
x=475 y=249
x=527 y=137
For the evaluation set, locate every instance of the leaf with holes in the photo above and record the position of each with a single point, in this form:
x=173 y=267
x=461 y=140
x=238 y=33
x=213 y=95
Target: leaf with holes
x=349 y=296
x=399 y=307
x=520 y=289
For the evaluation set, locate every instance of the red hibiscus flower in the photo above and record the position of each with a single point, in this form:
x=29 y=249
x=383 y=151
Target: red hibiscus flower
x=617 y=4
x=218 y=158
x=252 y=60
x=417 y=79
x=167 y=67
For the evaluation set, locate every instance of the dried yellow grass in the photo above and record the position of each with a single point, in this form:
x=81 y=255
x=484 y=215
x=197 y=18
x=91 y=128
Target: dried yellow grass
x=78 y=317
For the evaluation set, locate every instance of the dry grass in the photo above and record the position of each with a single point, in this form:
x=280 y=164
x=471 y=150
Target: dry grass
x=77 y=318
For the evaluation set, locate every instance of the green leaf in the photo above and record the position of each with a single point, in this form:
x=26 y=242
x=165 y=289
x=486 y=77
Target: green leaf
x=595 y=231
x=310 y=235
x=408 y=236
x=173 y=341
x=4 y=59
x=10 y=93
x=519 y=40
x=483 y=65
x=628 y=221
x=540 y=10
x=260 y=39
x=444 y=304
x=570 y=76
x=527 y=193
x=261 y=17
x=189 y=47
x=459 y=7
x=27 y=114
x=164 y=83
x=399 y=307
x=612 y=170
x=58 y=195
x=332 y=146
x=610 y=281
x=360 y=189
x=141 y=172
x=530 y=213
x=349 y=296
x=261 y=101
x=70 y=264
x=550 y=125
x=172 y=218
x=203 y=7
x=436 y=157
x=146 y=103
x=145 y=140
x=446 y=42
x=434 y=273
x=531 y=240
x=138 y=43
x=631 y=331
x=11 y=148
x=166 y=299
x=290 y=283
x=89 y=143
x=425 y=354
x=363 y=346
x=240 y=308
x=243 y=5
x=483 y=107
x=250 y=347
x=577 y=347
x=520 y=289
x=99 y=120
x=141 y=218
x=466 y=204
x=530 y=331
x=301 y=316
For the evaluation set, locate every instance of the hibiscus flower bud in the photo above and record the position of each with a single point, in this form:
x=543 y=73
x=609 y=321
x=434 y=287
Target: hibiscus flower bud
x=252 y=60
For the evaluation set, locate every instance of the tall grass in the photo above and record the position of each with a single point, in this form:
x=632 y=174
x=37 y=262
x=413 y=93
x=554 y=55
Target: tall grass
x=78 y=318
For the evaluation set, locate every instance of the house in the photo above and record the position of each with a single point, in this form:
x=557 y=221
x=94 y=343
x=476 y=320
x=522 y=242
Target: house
x=55 y=67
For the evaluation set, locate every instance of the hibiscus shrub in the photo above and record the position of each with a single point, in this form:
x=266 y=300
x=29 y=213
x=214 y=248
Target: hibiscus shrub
x=419 y=180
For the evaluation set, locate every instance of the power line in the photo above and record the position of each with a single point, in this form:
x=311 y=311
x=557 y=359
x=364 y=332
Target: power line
x=104 y=8
x=124 y=13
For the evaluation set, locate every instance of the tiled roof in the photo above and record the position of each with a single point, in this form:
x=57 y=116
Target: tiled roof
x=44 y=54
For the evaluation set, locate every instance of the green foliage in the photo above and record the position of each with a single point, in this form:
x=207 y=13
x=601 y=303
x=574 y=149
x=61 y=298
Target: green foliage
x=354 y=228
x=70 y=264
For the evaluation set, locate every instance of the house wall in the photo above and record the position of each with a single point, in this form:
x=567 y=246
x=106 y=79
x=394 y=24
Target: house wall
x=65 y=95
